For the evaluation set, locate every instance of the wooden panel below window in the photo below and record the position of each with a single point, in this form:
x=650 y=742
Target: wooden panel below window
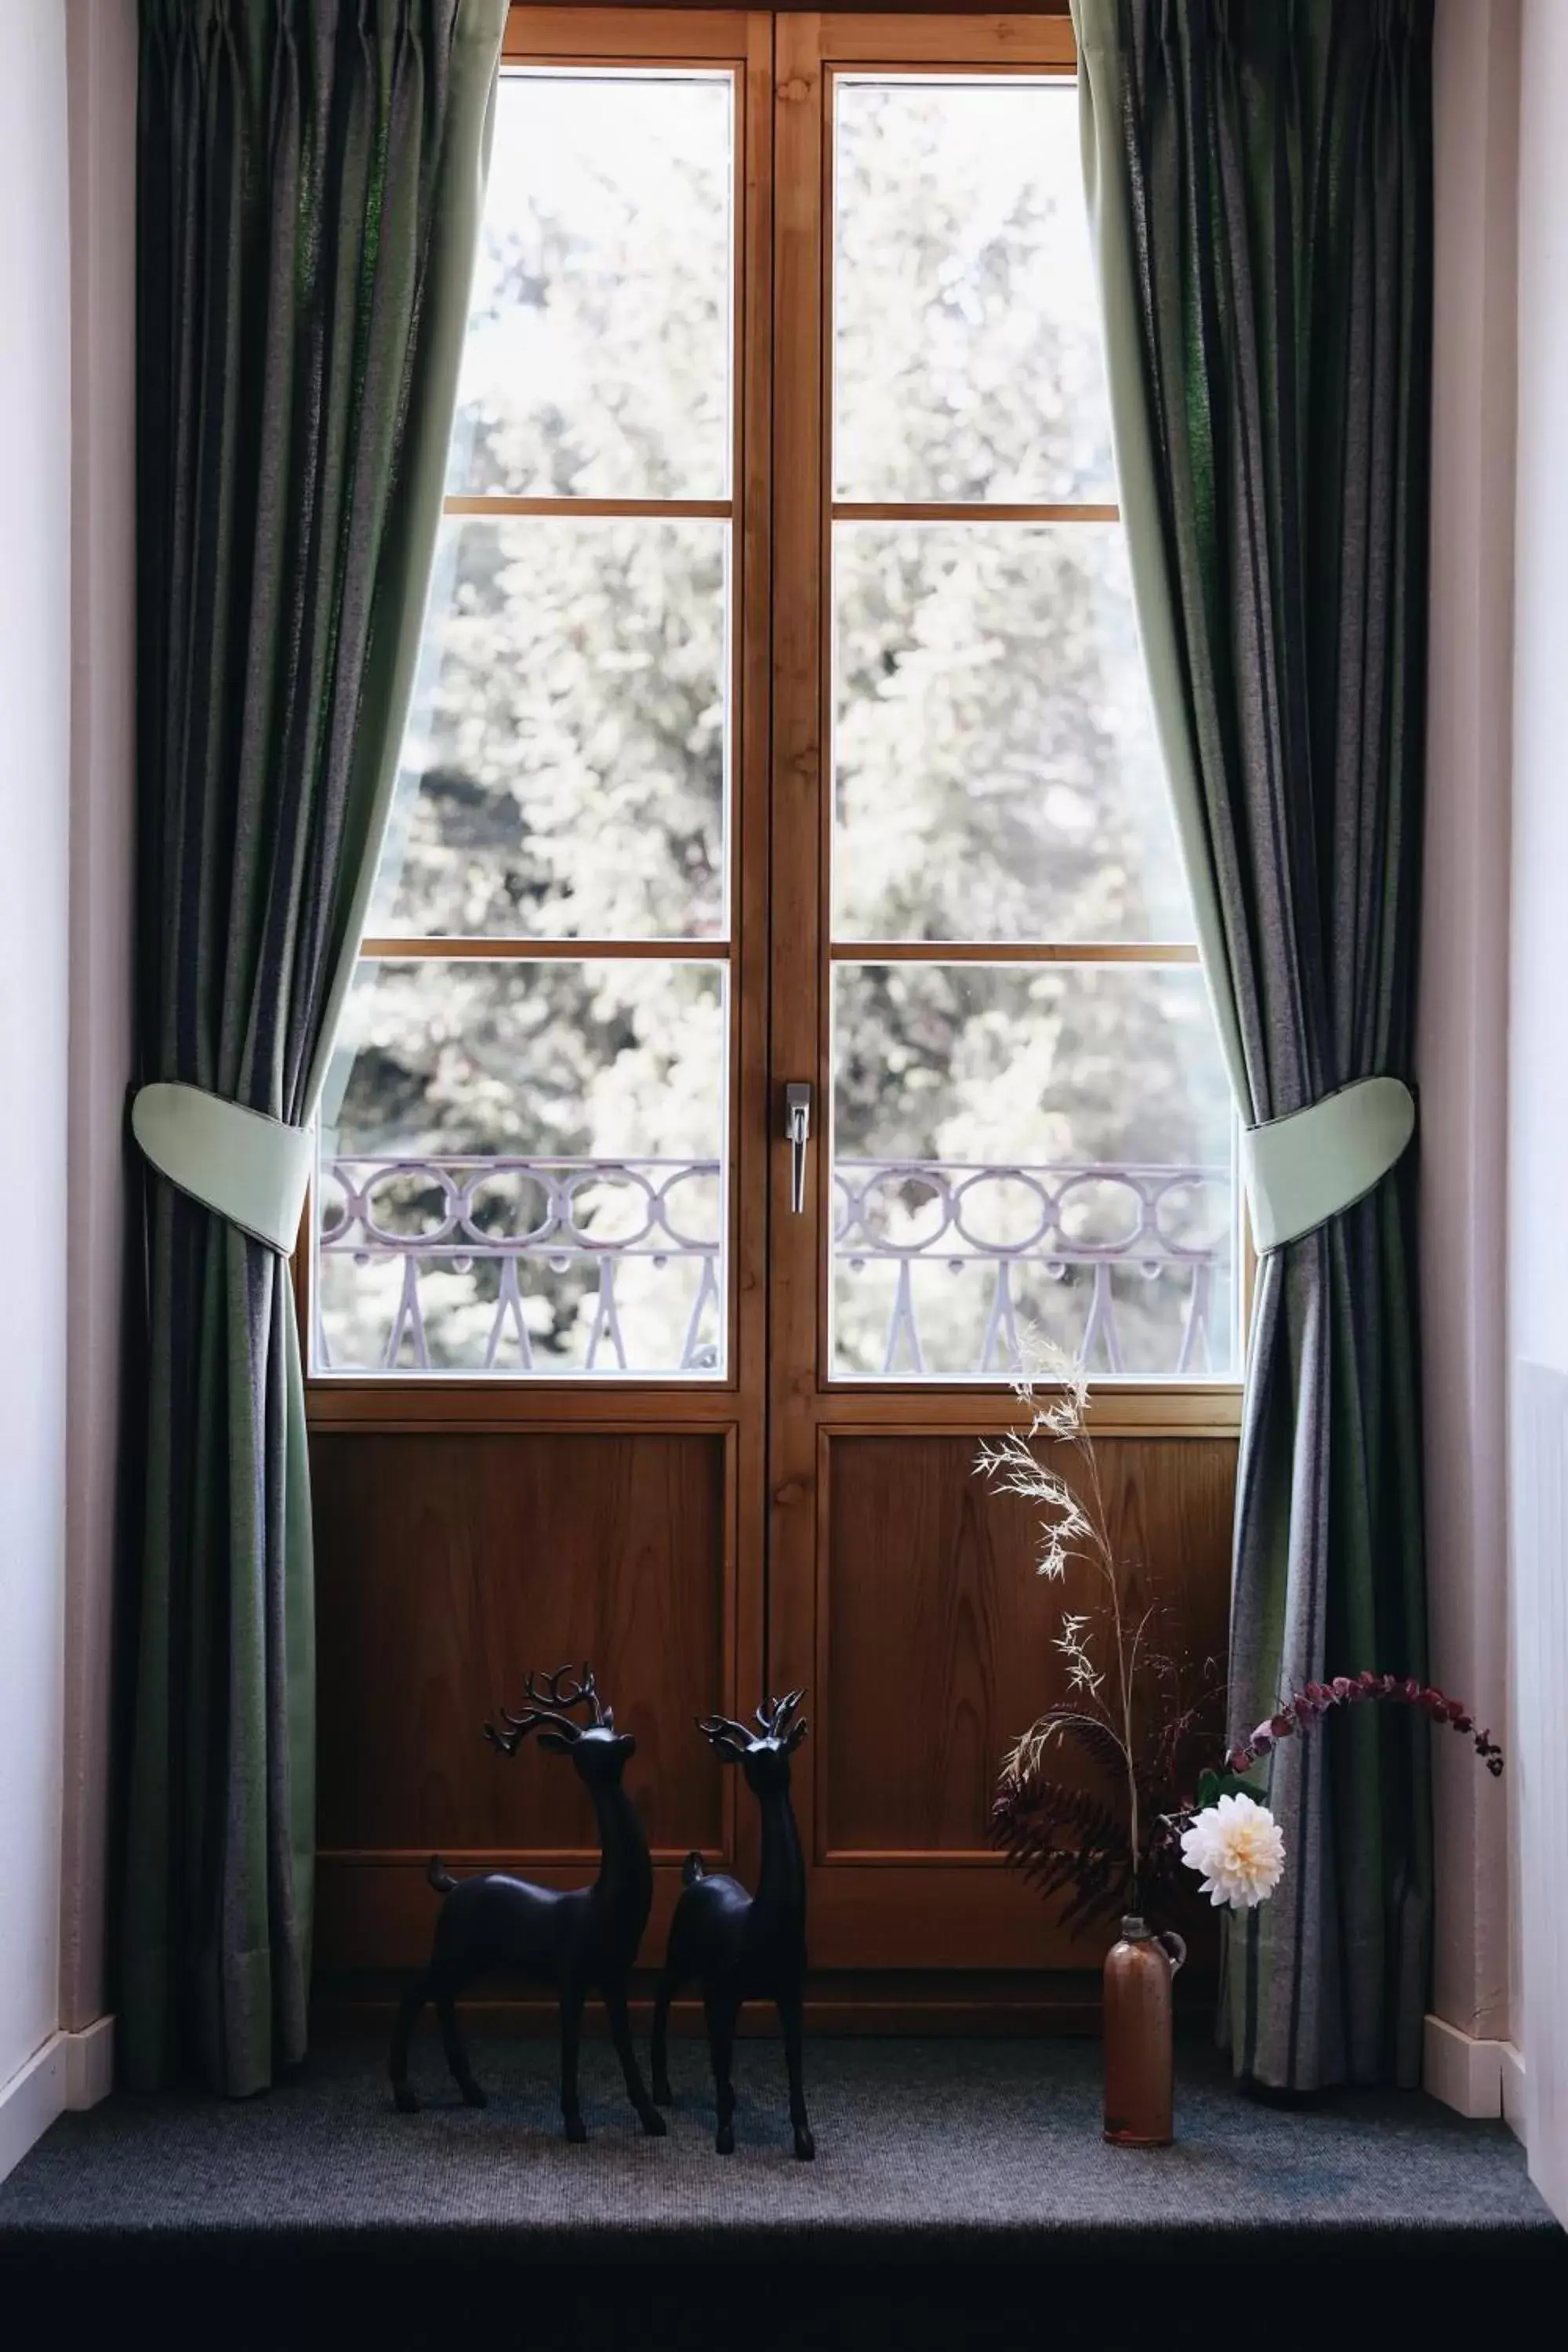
x=937 y=1632
x=447 y=1565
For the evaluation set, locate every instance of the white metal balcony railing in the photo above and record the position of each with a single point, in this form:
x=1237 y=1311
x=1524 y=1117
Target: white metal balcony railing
x=455 y=1213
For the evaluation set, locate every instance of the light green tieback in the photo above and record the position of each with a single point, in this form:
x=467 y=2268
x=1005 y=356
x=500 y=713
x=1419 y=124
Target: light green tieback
x=252 y=1169
x=1302 y=1170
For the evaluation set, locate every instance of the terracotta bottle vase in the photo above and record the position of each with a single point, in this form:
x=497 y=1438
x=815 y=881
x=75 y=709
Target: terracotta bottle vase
x=1137 y=2043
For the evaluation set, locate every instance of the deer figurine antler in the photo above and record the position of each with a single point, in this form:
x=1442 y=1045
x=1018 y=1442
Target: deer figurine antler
x=745 y=1947
x=550 y=1705
x=575 y=1941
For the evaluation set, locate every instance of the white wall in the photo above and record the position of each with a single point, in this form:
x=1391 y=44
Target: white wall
x=1538 y=1073
x=35 y=782
x=1462 y=1030
x=101 y=61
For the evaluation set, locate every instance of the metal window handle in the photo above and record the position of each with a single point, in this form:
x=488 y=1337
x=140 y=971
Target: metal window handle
x=797 y=1127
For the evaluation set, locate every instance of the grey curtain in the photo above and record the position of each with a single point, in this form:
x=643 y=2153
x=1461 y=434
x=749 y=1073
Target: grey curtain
x=310 y=179
x=1259 y=182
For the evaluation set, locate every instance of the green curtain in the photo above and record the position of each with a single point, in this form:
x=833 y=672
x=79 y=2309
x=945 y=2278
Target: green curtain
x=1259 y=182
x=311 y=174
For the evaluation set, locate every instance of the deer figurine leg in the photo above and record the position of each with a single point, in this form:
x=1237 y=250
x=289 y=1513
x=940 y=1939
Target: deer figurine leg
x=435 y=1985
x=664 y=1994
x=452 y=2043
x=408 y=2009
x=722 y=2005
x=789 y=2006
x=648 y=2116
x=571 y=1996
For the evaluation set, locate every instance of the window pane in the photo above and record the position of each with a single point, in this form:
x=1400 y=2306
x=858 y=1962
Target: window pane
x=968 y=355
x=597 y=362
x=564 y=773
x=1046 y=1144
x=998 y=776
x=523 y=1171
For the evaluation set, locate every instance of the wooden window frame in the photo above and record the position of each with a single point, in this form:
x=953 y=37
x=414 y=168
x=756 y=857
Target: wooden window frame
x=812 y=48
x=784 y=61
x=737 y=42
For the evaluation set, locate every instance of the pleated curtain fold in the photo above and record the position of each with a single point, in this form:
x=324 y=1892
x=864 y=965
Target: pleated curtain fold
x=310 y=178
x=1259 y=180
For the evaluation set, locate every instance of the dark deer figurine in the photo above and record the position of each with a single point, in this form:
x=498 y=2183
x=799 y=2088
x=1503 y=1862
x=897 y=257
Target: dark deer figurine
x=745 y=1947
x=578 y=1942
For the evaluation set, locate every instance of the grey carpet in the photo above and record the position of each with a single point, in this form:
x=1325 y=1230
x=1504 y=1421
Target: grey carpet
x=925 y=2147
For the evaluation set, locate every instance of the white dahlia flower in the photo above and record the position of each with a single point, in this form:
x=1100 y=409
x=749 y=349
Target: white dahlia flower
x=1236 y=1847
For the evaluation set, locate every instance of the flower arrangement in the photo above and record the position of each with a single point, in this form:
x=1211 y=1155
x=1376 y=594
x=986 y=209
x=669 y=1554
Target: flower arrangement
x=1131 y=1708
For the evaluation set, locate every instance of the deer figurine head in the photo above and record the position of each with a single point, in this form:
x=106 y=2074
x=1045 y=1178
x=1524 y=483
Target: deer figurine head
x=598 y=1750
x=762 y=1754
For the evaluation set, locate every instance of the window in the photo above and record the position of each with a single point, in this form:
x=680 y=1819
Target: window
x=525 y=1146
x=780 y=683
x=1037 y=1133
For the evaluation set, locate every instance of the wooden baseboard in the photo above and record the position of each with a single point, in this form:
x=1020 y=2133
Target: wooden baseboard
x=993 y=2003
